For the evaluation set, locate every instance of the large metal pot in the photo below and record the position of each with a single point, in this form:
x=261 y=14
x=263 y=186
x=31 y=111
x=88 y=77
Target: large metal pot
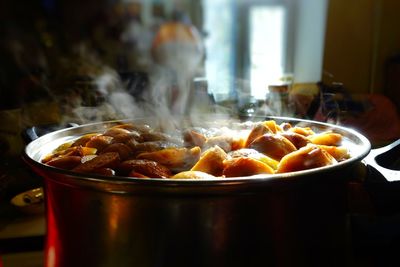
x=291 y=219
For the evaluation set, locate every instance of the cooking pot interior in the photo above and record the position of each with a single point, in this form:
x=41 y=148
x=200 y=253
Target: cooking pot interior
x=356 y=143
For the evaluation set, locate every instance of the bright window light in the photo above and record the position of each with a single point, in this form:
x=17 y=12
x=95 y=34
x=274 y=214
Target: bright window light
x=267 y=47
x=219 y=46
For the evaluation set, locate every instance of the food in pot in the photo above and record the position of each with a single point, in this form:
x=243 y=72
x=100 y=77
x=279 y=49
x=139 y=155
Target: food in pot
x=140 y=151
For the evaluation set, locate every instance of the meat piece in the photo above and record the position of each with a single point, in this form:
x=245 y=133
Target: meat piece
x=148 y=168
x=104 y=171
x=65 y=162
x=122 y=135
x=114 y=131
x=99 y=142
x=193 y=138
x=106 y=160
x=84 y=139
x=155 y=136
x=173 y=158
x=296 y=139
x=141 y=128
x=128 y=137
x=70 y=151
x=123 y=150
x=139 y=148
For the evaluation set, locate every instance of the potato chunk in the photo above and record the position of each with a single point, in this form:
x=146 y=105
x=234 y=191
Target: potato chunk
x=226 y=142
x=340 y=153
x=173 y=158
x=245 y=166
x=252 y=153
x=193 y=175
x=259 y=130
x=327 y=138
x=271 y=124
x=211 y=161
x=308 y=157
x=273 y=145
x=306 y=131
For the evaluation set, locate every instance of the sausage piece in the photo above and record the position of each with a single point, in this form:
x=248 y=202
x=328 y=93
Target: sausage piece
x=65 y=162
x=148 y=168
x=106 y=160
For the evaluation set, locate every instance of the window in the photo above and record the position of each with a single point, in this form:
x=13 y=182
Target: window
x=219 y=26
x=267 y=47
x=261 y=42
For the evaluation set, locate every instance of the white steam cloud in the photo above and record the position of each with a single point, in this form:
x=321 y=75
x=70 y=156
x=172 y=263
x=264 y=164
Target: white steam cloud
x=169 y=92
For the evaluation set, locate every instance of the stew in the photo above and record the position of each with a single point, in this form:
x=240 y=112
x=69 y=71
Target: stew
x=140 y=151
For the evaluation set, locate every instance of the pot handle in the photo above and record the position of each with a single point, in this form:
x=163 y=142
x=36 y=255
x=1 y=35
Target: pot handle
x=34 y=132
x=385 y=161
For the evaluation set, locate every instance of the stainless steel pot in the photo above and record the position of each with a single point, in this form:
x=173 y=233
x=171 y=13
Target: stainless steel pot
x=291 y=219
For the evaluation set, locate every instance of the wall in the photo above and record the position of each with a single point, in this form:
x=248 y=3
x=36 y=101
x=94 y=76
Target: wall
x=360 y=36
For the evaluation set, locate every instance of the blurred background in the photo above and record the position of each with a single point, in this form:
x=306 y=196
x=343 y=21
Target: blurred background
x=67 y=61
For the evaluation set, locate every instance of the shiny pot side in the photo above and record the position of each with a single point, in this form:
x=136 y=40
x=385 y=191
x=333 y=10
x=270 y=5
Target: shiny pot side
x=301 y=224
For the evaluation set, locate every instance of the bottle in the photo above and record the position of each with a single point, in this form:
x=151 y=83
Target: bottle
x=277 y=100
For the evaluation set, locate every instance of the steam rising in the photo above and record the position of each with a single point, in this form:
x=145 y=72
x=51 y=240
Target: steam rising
x=88 y=90
x=166 y=96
